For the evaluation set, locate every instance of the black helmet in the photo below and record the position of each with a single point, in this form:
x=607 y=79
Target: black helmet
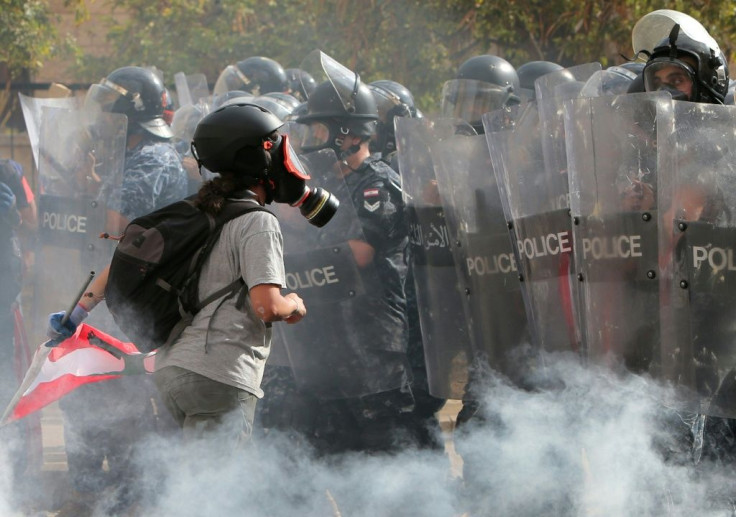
x=489 y=69
x=533 y=70
x=300 y=83
x=256 y=75
x=231 y=139
x=389 y=106
x=276 y=106
x=484 y=84
x=705 y=66
x=401 y=91
x=342 y=106
x=135 y=92
x=285 y=98
x=231 y=97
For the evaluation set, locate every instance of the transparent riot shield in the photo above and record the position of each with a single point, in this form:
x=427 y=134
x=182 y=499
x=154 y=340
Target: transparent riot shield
x=339 y=350
x=81 y=158
x=32 y=108
x=612 y=162
x=493 y=300
x=536 y=210
x=191 y=88
x=697 y=183
x=438 y=290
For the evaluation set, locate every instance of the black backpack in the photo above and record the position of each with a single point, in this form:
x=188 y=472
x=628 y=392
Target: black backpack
x=152 y=287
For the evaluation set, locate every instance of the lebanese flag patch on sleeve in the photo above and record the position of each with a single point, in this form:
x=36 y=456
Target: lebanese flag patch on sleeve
x=371 y=199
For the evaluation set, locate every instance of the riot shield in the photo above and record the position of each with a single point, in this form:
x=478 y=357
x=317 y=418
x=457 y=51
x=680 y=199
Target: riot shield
x=697 y=184
x=614 y=81
x=442 y=320
x=488 y=267
x=32 y=111
x=612 y=162
x=191 y=88
x=536 y=210
x=338 y=351
x=81 y=159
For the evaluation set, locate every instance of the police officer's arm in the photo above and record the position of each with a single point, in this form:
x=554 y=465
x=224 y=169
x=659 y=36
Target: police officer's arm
x=362 y=252
x=270 y=305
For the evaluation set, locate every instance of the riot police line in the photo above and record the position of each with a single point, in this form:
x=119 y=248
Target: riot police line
x=577 y=219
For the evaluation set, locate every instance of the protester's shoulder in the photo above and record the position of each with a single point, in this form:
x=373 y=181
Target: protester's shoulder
x=255 y=222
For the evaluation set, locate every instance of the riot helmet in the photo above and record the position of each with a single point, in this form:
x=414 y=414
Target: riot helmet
x=530 y=72
x=135 y=92
x=483 y=84
x=278 y=107
x=242 y=140
x=337 y=108
x=256 y=75
x=285 y=98
x=231 y=97
x=389 y=105
x=489 y=69
x=401 y=91
x=300 y=84
x=690 y=69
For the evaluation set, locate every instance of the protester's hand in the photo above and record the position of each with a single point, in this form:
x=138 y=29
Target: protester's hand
x=299 y=309
x=57 y=332
x=7 y=200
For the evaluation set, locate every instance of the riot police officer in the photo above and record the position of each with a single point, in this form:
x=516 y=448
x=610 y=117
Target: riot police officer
x=482 y=84
x=342 y=115
x=103 y=420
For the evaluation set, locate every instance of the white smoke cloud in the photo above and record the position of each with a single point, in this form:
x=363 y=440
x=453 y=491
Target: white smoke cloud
x=592 y=443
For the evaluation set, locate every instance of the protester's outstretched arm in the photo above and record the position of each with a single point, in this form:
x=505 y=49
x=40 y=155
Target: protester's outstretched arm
x=270 y=305
x=60 y=327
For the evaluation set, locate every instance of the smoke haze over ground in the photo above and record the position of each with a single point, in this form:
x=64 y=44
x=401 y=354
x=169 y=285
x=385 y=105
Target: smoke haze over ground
x=593 y=443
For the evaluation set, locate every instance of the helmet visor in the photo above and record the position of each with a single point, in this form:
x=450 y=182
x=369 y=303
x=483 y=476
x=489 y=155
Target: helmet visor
x=232 y=79
x=669 y=73
x=313 y=135
x=385 y=102
x=468 y=99
x=101 y=97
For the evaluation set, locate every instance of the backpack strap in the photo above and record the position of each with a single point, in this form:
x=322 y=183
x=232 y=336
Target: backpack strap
x=231 y=210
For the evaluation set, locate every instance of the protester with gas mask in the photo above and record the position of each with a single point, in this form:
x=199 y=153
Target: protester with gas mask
x=209 y=377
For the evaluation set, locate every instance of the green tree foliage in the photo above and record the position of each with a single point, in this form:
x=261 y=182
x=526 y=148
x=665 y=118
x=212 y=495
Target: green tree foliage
x=418 y=43
x=27 y=37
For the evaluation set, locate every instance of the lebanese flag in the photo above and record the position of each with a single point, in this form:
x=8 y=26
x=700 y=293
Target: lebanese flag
x=88 y=356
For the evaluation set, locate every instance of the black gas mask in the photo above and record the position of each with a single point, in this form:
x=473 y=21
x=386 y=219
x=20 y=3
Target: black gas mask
x=287 y=184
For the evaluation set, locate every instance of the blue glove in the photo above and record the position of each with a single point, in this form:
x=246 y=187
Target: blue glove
x=57 y=332
x=7 y=199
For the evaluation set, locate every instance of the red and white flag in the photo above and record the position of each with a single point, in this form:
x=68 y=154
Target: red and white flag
x=88 y=356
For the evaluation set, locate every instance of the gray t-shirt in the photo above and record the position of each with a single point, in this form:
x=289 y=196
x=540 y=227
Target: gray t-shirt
x=238 y=342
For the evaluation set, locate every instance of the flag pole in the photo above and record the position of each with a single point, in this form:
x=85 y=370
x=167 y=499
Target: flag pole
x=40 y=357
x=79 y=296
